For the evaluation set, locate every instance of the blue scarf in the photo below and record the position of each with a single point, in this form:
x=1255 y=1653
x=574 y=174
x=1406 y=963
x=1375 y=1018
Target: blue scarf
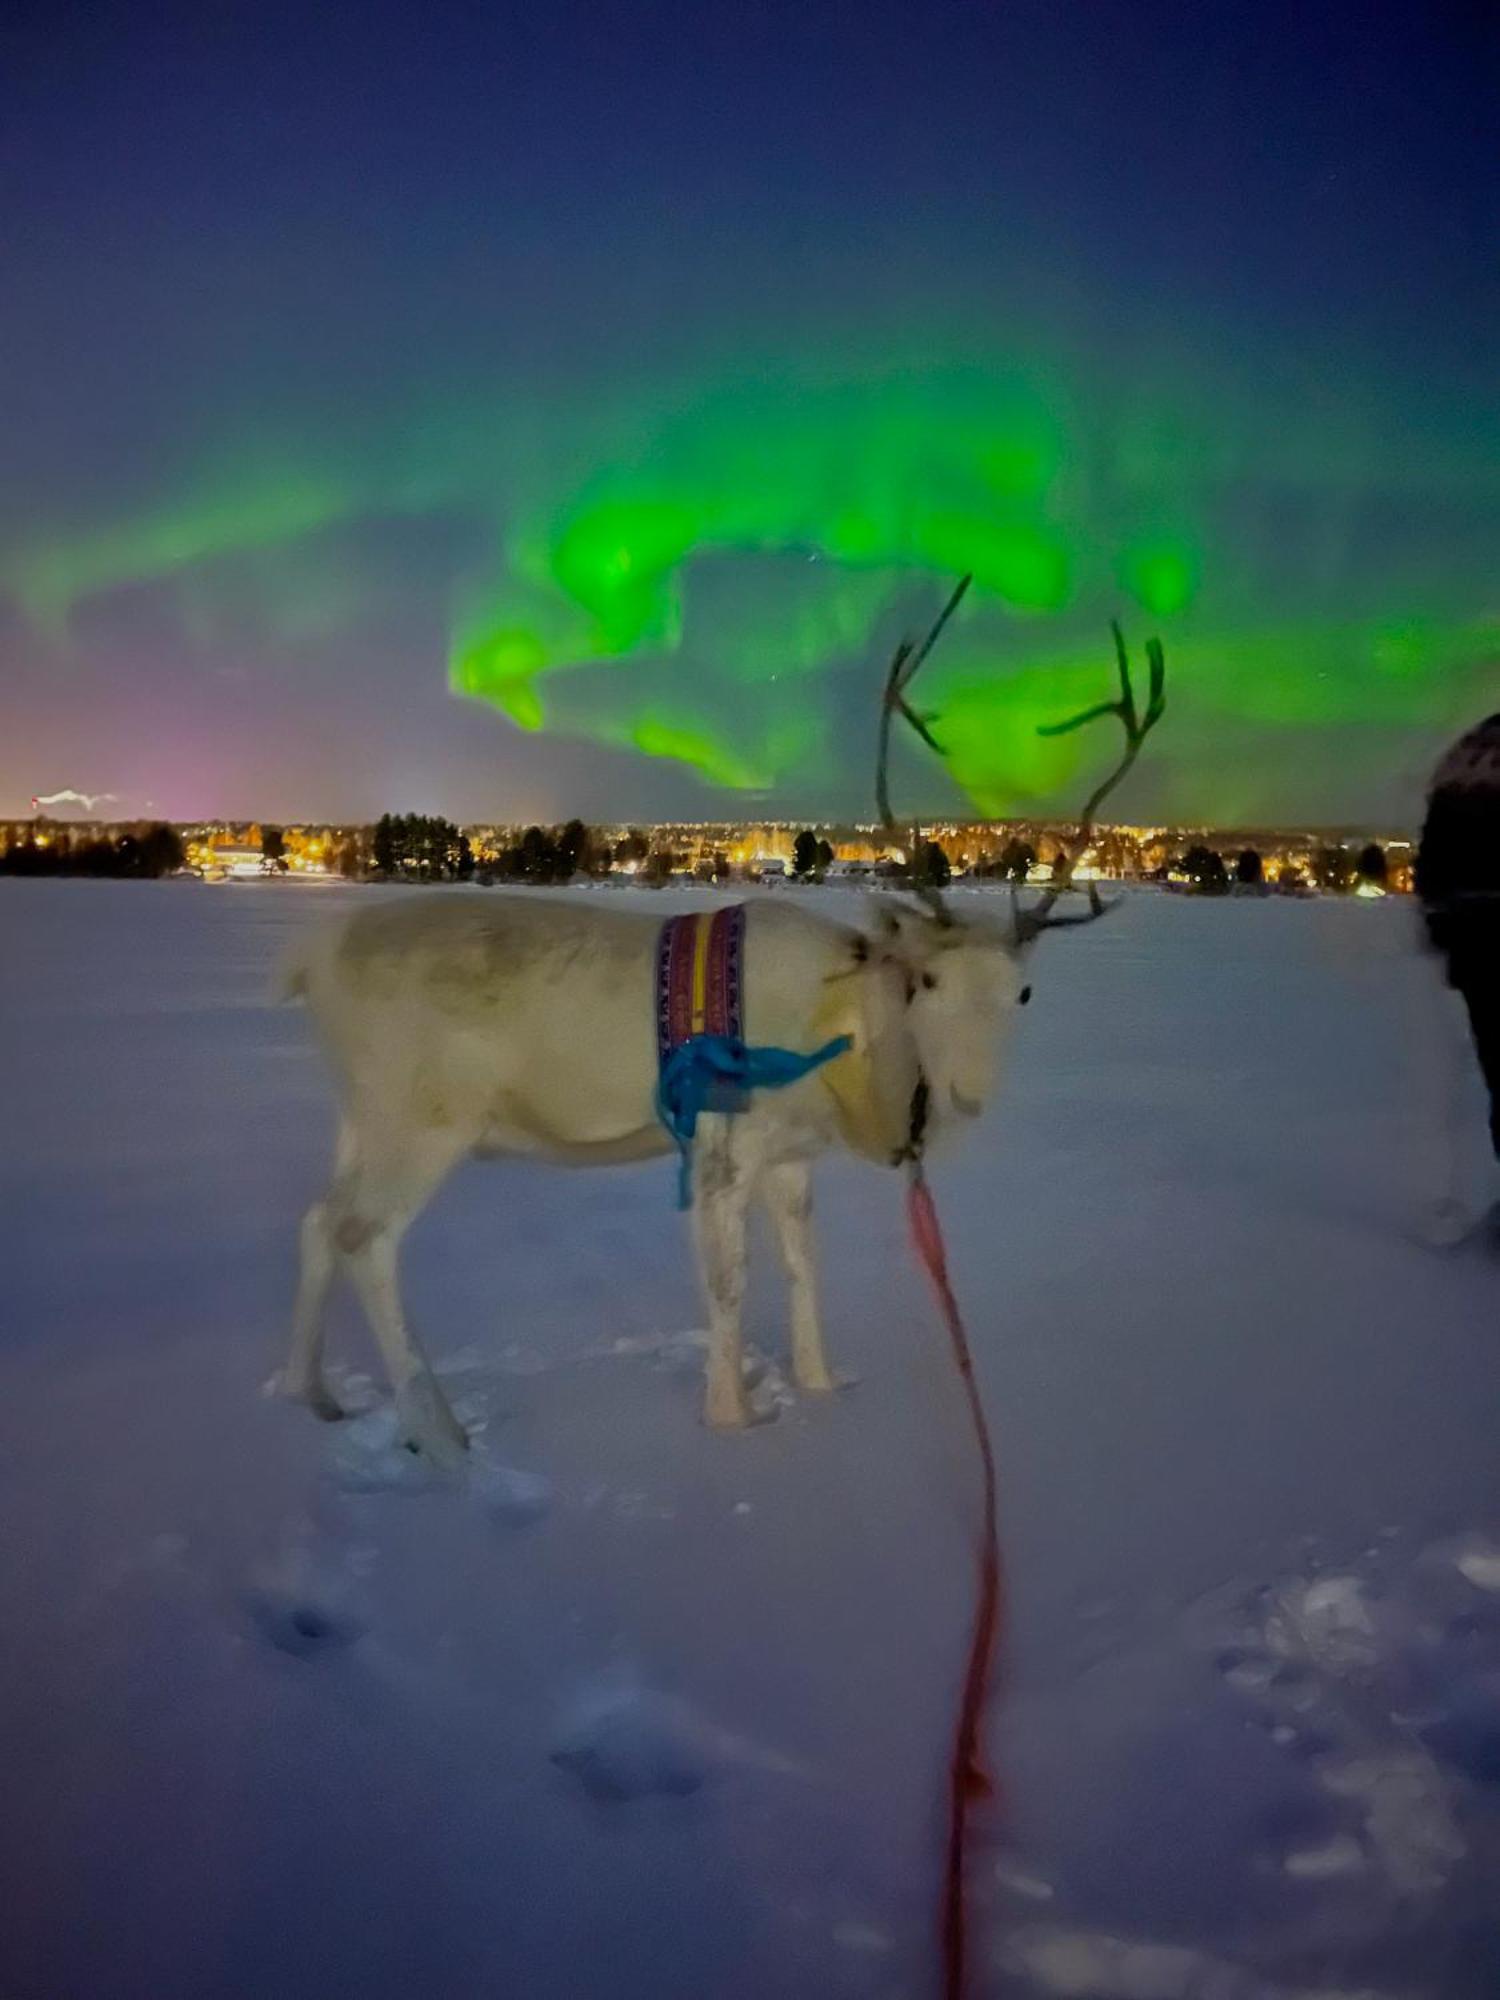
x=717 y=1072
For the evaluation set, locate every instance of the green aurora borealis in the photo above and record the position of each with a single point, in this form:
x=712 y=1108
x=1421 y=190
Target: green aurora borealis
x=707 y=569
x=514 y=412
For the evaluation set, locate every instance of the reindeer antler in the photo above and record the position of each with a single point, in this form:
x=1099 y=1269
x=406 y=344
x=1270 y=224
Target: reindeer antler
x=1137 y=726
x=905 y=661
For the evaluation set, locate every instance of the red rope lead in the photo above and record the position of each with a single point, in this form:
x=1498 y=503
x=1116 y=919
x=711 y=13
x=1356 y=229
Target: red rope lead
x=969 y=1781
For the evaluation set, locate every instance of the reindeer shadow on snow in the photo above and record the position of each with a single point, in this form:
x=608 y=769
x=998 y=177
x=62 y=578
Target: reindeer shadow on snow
x=522 y=1025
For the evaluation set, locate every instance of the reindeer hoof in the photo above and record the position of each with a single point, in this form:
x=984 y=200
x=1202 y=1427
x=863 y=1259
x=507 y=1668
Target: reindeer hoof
x=429 y=1426
x=727 y=1417
x=825 y=1384
x=315 y=1396
x=743 y=1415
x=439 y=1448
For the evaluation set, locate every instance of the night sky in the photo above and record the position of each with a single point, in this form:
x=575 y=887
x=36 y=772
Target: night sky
x=521 y=411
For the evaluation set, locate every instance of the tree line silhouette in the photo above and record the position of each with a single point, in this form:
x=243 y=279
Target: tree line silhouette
x=426 y=848
x=1334 y=870
x=421 y=846
x=145 y=853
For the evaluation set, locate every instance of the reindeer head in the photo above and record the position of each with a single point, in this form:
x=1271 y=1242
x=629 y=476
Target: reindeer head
x=964 y=978
x=966 y=975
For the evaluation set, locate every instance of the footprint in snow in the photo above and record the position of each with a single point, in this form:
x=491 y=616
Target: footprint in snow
x=512 y=1497
x=632 y=1750
x=368 y=1455
x=303 y=1622
x=623 y=1742
x=1382 y=1685
x=310 y=1596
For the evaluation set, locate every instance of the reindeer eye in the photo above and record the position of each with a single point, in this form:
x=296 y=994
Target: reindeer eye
x=929 y=980
x=1023 y=998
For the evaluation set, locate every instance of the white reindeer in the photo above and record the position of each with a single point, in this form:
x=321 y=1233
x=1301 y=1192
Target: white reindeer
x=524 y=1024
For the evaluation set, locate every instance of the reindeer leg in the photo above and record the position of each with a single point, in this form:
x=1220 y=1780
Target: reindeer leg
x=302 y=1379
x=787 y=1191
x=379 y=1207
x=427 y=1420
x=722 y=1184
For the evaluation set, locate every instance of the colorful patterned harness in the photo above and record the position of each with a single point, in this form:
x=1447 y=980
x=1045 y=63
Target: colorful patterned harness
x=699 y=980
x=704 y=1063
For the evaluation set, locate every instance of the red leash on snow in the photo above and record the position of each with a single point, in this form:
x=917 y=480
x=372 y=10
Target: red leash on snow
x=969 y=1780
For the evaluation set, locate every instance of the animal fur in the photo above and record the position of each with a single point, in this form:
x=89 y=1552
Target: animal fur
x=520 y=1024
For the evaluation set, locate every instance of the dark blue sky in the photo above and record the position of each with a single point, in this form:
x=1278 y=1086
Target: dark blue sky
x=420 y=256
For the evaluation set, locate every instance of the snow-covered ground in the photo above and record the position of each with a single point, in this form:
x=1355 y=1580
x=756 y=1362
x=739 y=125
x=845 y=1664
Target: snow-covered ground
x=641 y=1711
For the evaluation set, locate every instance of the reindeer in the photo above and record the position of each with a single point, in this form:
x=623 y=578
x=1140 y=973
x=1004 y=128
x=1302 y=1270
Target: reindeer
x=523 y=1025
